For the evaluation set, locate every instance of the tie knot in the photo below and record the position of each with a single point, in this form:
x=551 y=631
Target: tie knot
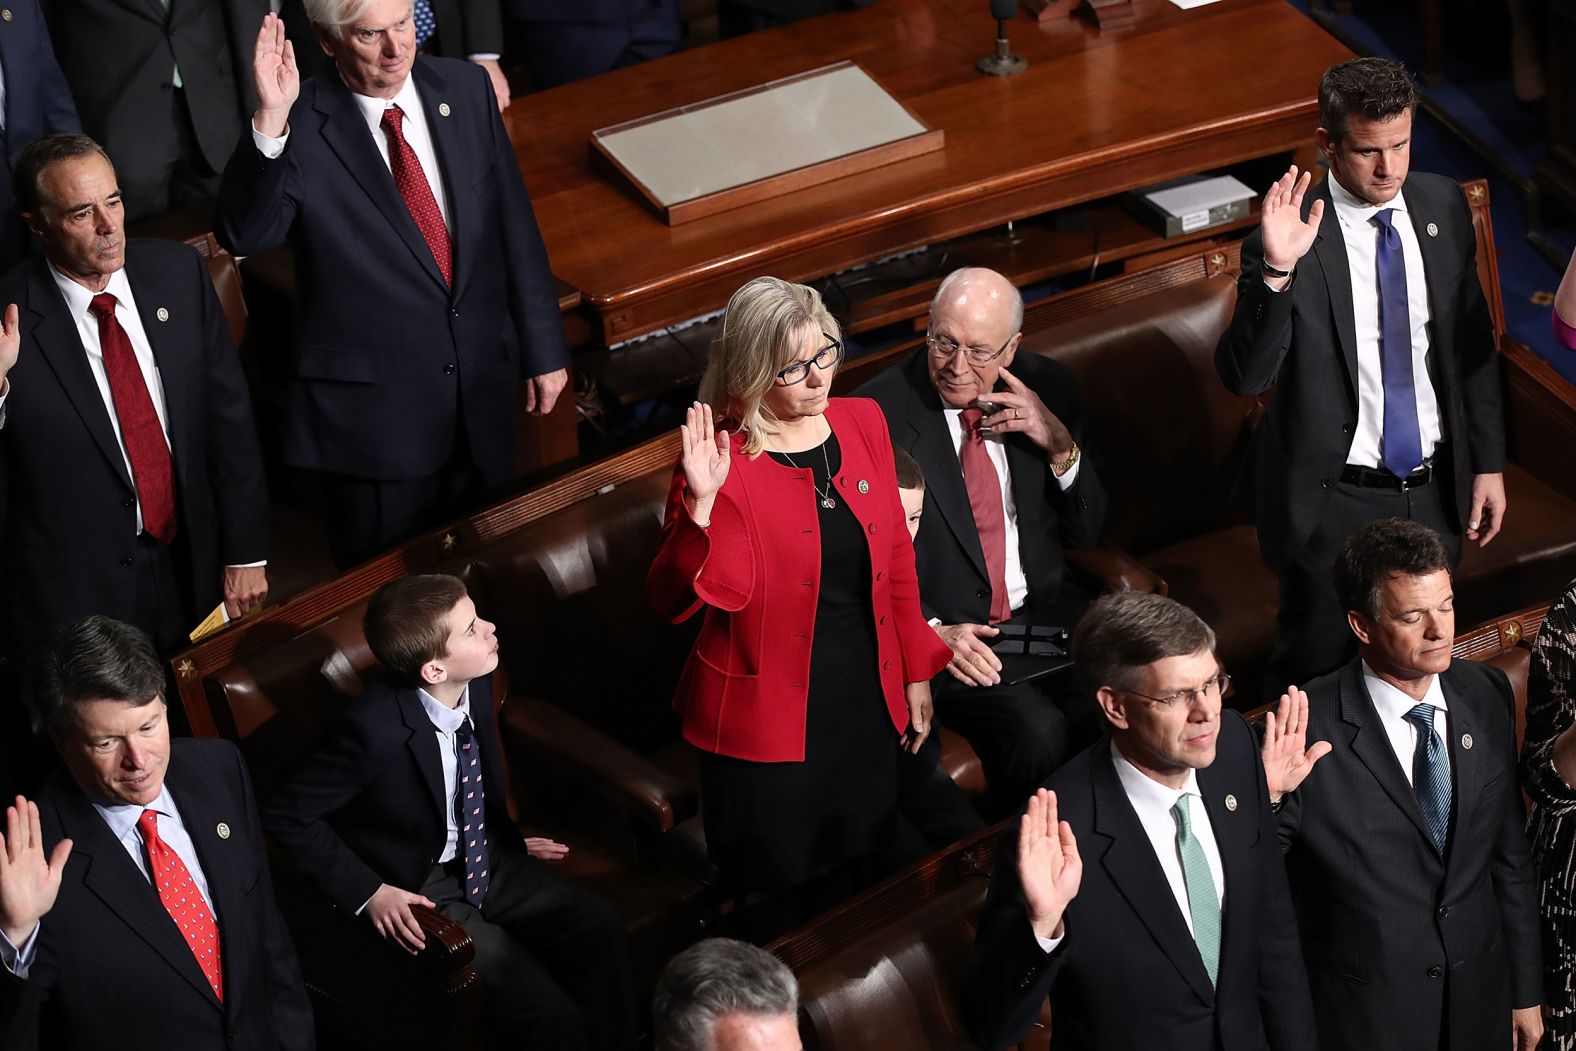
x=393 y=119
x=1183 y=816
x=103 y=306
x=149 y=823
x=1385 y=217
x=1422 y=716
x=971 y=417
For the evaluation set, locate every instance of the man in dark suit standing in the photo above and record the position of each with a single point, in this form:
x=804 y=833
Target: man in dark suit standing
x=136 y=907
x=568 y=40
x=1147 y=895
x=406 y=804
x=422 y=280
x=1006 y=488
x=1359 y=302
x=34 y=102
x=135 y=484
x=1408 y=863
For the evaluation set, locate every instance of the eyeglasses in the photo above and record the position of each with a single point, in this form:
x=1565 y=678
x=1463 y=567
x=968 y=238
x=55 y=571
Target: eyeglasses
x=824 y=359
x=1212 y=689
x=944 y=347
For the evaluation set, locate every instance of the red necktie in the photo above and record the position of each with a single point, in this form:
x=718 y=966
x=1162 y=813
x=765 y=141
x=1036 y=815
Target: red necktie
x=182 y=902
x=139 y=423
x=413 y=186
x=984 y=487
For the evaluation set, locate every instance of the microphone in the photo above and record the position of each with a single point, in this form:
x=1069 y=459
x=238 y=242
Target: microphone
x=1002 y=62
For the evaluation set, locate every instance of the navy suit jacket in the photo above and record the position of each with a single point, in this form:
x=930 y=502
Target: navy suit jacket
x=1399 y=937
x=389 y=353
x=37 y=103
x=368 y=807
x=69 y=538
x=113 y=970
x=1128 y=974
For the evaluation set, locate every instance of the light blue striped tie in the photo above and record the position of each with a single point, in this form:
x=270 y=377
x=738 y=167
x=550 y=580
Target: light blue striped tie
x=1203 y=902
x=1430 y=774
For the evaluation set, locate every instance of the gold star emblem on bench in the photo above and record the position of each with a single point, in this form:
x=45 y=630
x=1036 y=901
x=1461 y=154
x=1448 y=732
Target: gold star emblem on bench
x=1475 y=193
x=449 y=540
x=185 y=669
x=1217 y=262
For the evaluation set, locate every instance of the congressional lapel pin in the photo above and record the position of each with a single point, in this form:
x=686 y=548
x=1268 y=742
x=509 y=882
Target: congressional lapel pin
x=5 y=14
x=223 y=830
x=1466 y=740
x=163 y=314
x=1433 y=229
x=1231 y=802
x=443 y=109
x=864 y=486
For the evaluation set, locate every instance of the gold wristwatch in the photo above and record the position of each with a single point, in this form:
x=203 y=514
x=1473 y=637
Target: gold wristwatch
x=1061 y=467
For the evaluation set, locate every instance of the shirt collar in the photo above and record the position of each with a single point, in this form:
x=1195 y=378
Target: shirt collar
x=1354 y=212
x=446 y=719
x=1145 y=792
x=122 y=817
x=78 y=299
x=406 y=98
x=1391 y=703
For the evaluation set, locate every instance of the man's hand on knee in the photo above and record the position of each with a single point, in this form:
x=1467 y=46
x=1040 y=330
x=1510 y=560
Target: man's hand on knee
x=972 y=663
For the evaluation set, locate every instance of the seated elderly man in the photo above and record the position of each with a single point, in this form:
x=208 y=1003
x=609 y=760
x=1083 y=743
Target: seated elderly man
x=726 y=995
x=1006 y=489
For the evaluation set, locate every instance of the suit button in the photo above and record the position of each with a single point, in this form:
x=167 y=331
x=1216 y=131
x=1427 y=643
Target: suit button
x=883 y=620
x=126 y=562
x=872 y=527
x=1435 y=972
x=1328 y=483
x=454 y=311
x=982 y=593
x=879 y=574
x=1346 y=428
x=128 y=502
x=431 y=861
x=448 y=370
x=1444 y=911
x=886 y=665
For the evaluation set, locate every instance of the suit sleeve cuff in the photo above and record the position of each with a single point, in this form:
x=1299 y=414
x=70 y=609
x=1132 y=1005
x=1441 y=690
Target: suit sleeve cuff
x=269 y=146
x=1049 y=945
x=20 y=960
x=484 y=56
x=247 y=565
x=1065 y=481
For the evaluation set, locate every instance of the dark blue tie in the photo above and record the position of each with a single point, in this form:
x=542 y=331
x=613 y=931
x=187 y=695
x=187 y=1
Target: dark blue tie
x=1401 y=448
x=1430 y=774
x=426 y=25
x=470 y=806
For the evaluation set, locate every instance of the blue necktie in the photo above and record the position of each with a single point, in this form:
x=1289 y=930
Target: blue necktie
x=470 y=804
x=426 y=25
x=1430 y=774
x=1401 y=448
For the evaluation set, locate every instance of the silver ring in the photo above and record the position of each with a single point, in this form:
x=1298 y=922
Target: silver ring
x=1015 y=414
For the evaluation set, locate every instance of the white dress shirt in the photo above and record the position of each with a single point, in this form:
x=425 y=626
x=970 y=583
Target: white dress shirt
x=1152 y=802
x=1017 y=581
x=1361 y=235
x=1392 y=706
x=446 y=722
x=414 y=126
x=122 y=820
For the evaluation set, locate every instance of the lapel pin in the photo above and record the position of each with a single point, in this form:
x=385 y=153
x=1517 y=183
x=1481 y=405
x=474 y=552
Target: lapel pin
x=162 y=314
x=5 y=14
x=1433 y=229
x=1466 y=740
x=223 y=830
x=443 y=109
x=864 y=486
x=1231 y=802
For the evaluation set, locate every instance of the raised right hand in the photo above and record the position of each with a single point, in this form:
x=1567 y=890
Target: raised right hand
x=275 y=76
x=389 y=911
x=972 y=663
x=1049 y=868
x=10 y=340
x=1287 y=237
x=28 y=882
x=705 y=456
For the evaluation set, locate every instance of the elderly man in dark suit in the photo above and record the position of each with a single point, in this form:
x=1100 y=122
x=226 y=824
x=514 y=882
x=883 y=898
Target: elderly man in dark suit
x=1409 y=867
x=136 y=907
x=1147 y=895
x=423 y=284
x=1006 y=488
x=34 y=102
x=1359 y=302
x=135 y=484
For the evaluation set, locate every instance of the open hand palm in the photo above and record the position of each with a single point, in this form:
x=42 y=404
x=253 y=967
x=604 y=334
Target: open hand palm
x=706 y=455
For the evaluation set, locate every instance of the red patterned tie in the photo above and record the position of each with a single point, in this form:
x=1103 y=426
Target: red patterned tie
x=413 y=186
x=139 y=423
x=984 y=487
x=183 y=903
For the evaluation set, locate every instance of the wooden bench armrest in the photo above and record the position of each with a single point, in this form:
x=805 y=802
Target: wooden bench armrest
x=1115 y=569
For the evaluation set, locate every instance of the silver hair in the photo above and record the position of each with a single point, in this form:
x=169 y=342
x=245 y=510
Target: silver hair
x=713 y=978
x=335 y=15
x=968 y=272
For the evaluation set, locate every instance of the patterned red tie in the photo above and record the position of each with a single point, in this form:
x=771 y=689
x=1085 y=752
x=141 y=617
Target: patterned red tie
x=984 y=487
x=413 y=186
x=183 y=903
x=139 y=423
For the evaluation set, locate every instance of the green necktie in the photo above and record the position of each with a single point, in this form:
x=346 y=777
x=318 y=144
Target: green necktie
x=175 y=72
x=1202 y=901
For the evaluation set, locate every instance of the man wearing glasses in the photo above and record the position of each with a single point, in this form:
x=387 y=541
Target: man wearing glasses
x=1147 y=897
x=1006 y=488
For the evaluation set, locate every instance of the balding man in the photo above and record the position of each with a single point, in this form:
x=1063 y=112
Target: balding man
x=1006 y=489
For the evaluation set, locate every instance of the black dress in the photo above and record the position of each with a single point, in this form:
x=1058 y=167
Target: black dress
x=770 y=826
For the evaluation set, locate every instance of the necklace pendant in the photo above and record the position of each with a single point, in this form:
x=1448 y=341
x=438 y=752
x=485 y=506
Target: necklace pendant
x=828 y=503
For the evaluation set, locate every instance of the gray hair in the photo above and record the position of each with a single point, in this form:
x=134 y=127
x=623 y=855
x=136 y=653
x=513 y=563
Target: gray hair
x=95 y=659
x=1124 y=631
x=336 y=15
x=713 y=978
x=971 y=273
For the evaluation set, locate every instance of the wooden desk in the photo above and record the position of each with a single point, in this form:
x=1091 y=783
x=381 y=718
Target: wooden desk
x=1093 y=115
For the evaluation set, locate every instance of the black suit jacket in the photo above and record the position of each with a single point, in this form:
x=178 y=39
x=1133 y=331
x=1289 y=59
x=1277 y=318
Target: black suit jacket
x=1128 y=974
x=1398 y=938
x=112 y=968
x=388 y=351
x=1303 y=342
x=369 y=806
x=953 y=581
x=37 y=103
x=70 y=519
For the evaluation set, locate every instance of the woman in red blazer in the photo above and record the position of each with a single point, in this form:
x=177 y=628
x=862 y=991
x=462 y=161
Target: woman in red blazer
x=812 y=669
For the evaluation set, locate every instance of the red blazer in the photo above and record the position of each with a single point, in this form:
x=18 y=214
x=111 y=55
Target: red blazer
x=756 y=570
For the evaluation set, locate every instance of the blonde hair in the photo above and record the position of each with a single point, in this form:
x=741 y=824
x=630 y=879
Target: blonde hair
x=762 y=329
